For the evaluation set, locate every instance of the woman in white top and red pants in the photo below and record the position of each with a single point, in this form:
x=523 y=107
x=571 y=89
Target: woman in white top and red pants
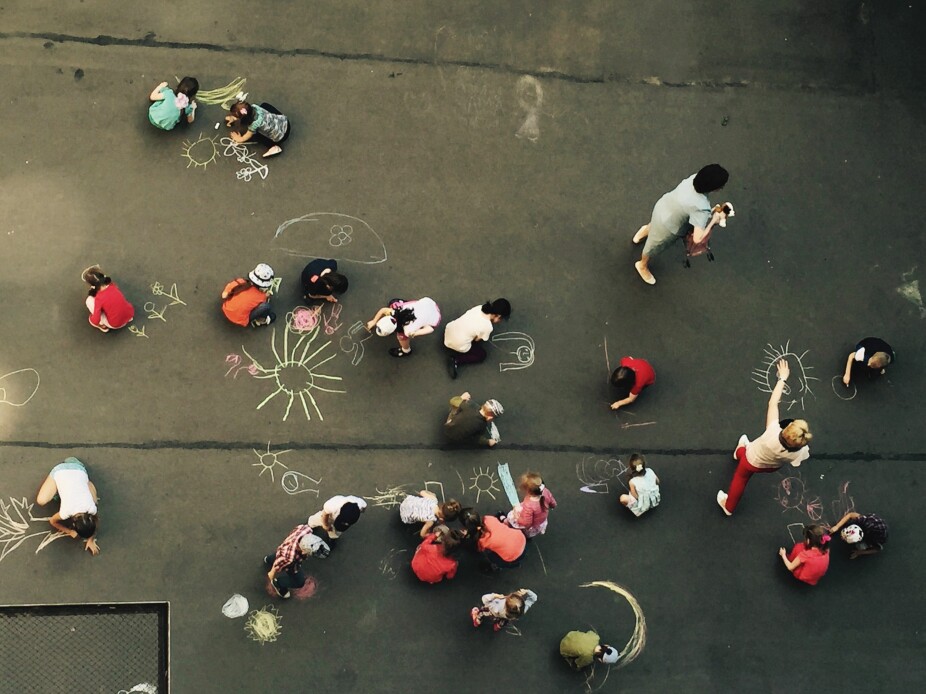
x=782 y=442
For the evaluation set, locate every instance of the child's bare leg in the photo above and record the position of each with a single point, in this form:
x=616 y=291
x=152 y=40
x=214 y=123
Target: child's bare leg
x=625 y=499
x=47 y=491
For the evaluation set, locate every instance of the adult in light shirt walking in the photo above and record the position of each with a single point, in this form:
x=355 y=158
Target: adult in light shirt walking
x=462 y=337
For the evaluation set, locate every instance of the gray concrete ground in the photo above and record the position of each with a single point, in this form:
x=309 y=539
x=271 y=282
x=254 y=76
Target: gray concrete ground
x=406 y=117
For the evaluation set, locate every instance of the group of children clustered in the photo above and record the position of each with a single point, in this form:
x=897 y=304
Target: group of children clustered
x=501 y=539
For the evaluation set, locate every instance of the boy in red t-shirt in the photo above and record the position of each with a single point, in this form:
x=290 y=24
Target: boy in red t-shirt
x=630 y=378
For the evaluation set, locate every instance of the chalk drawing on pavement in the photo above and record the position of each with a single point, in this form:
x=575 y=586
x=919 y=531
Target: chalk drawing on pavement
x=484 y=482
x=18 y=387
x=765 y=376
x=521 y=348
x=16 y=526
x=314 y=235
x=263 y=625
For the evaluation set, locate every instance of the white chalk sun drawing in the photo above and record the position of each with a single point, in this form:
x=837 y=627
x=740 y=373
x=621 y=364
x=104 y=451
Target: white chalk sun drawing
x=268 y=460
x=16 y=521
x=484 y=482
x=296 y=372
x=263 y=625
x=201 y=152
x=766 y=375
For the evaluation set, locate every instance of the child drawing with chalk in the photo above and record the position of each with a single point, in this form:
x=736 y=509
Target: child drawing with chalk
x=263 y=124
x=809 y=560
x=435 y=558
x=503 y=609
x=168 y=107
x=245 y=301
x=424 y=507
x=865 y=533
x=644 y=487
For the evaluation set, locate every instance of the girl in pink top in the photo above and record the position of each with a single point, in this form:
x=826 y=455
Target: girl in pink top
x=530 y=516
x=109 y=309
x=809 y=560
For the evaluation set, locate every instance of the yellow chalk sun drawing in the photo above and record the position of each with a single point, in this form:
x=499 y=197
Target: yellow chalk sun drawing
x=263 y=625
x=296 y=372
x=201 y=152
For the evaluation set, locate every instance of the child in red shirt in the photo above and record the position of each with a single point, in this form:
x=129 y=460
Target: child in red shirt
x=809 y=560
x=433 y=560
x=109 y=309
x=629 y=379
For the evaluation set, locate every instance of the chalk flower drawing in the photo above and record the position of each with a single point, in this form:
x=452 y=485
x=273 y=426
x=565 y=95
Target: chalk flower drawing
x=17 y=388
x=295 y=372
x=263 y=625
x=201 y=152
x=243 y=155
x=16 y=520
x=484 y=482
x=765 y=375
x=521 y=347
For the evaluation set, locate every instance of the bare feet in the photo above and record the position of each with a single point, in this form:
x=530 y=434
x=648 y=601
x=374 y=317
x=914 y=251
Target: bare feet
x=273 y=151
x=645 y=274
x=641 y=234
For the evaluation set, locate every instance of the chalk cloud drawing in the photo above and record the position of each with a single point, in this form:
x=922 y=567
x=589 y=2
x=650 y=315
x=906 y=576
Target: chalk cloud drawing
x=349 y=343
x=200 y=153
x=295 y=373
x=766 y=375
x=311 y=236
x=637 y=641
x=910 y=290
x=389 y=497
x=530 y=98
x=484 y=482
x=16 y=519
x=236 y=606
x=387 y=565
x=842 y=391
x=263 y=625
x=243 y=155
x=597 y=474
x=18 y=387
x=521 y=347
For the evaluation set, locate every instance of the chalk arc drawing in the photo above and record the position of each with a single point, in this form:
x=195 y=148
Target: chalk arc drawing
x=637 y=641
x=310 y=235
x=18 y=387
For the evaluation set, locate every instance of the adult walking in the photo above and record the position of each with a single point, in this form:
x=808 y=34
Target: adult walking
x=784 y=441
x=680 y=212
x=77 y=515
x=109 y=309
x=473 y=425
x=285 y=564
x=462 y=337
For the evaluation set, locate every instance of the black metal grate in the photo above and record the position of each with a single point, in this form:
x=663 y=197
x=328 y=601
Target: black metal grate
x=58 y=649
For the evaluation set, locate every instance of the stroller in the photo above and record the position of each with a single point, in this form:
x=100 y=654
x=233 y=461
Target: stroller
x=703 y=247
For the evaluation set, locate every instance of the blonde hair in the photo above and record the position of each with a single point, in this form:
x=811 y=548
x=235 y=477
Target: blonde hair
x=797 y=434
x=879 y=360
x=530 y=482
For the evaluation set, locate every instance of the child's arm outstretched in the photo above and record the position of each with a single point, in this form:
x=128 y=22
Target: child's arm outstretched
x=156 y=94
x=851 y=515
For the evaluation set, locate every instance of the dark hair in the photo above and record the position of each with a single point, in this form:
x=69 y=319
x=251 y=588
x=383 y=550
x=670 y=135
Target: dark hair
x=95 y=277
x=188 y=86
x=336 y=282
x=634 y=459
x=84 y=524
x=623 y=379
x=500 y=307
x=403 y=316
x=347 y=516
x=450 y=541
x=244 y=112
x=472 y=523
x=449 y=509
x=710 y=178
x=817 y=536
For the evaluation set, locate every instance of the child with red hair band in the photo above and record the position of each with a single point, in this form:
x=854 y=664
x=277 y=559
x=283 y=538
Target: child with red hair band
x=809 y=560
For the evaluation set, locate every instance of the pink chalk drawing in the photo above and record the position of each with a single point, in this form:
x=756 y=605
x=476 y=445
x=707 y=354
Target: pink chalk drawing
x=331 y=320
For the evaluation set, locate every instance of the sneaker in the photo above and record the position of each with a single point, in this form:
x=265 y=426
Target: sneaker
x=474 y=613
x=397 y=352
x=285 y=594
x=452 y=367
x=722 y=502
x=740 y=444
